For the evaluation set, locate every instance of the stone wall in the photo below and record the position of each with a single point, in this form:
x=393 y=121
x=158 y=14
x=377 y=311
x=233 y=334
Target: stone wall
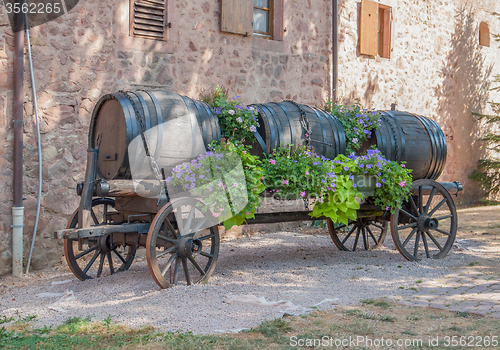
x=437 y=69
x=87 y=53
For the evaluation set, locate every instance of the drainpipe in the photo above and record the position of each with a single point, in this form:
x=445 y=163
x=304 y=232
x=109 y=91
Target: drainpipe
x=335 y=48
x=17 y=206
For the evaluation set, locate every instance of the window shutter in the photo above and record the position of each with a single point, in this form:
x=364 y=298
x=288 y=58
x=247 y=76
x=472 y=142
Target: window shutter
x=237 y=16
x=484 y=34
x=384 y=39
x=368 y=36
x=148 y=19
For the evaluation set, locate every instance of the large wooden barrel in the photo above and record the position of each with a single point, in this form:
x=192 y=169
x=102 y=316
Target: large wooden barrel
x=282 y=123
x=116 y=122
x=417 y=140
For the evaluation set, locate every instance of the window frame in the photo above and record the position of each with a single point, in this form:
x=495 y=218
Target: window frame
x=375 y=29
x=265 y=35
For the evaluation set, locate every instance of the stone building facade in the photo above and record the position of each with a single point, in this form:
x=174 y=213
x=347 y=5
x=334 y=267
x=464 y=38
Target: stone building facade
x=436 y=68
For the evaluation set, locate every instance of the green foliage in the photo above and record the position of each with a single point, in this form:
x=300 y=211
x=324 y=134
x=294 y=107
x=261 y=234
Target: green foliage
x=339 y=205
x=488 y=169
x=393 y=181
x=237 y=121
x=254 y=173
x=295 y=173
x=300 y=173
x=358 y=123
x=227 y=179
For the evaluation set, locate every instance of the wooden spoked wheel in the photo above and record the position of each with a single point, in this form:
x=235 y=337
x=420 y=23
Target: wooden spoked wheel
x=95 y=257
x=178 y=249
x=426 y=225
x=362 y=234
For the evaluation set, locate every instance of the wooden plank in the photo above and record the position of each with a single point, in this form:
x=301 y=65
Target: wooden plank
x=278 y=14
x=139 y=26
x=148 y=16
x=484 y=34
x=368 y=36
x=237 y=16
x=385 y=17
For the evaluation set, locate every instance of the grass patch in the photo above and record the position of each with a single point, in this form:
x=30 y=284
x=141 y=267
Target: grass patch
x=85 y=333
x=380 y=303
x=369 y=315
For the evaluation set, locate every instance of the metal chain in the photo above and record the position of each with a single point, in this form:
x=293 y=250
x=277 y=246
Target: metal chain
x=395 y=138
x=152 y=162
x=304 y=121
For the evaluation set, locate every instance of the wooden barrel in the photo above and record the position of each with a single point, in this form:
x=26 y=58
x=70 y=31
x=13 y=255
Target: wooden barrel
x=417 y=140
x=116 y=122
x=282 y=123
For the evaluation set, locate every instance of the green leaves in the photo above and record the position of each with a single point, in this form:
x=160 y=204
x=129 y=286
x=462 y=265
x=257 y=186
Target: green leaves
x=341 y=205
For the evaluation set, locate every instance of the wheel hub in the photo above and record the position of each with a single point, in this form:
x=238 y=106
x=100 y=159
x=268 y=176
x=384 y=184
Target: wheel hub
x=425 y=223
x=187 y=246
x=104 y=243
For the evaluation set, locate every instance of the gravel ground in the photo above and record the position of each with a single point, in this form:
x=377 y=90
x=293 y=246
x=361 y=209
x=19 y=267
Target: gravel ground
x=302 y=269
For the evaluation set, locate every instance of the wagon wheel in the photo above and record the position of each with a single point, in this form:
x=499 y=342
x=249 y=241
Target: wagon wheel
x=91 y=257
x=427 y=223
x=177 y=251
x=360 y=234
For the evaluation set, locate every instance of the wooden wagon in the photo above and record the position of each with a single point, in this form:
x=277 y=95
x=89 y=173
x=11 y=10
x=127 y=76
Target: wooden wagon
x=114 y=220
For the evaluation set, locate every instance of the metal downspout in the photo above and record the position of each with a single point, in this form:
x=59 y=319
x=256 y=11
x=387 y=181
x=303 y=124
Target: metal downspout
x=335 y=48
x=17 y=205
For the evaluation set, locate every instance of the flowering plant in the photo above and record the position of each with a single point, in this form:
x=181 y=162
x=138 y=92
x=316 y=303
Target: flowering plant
x=237 y=121
x=301 y=173
x=253 y=172
x=227 y=180
x=358 y=123
x=393 y=181
x=293 y=173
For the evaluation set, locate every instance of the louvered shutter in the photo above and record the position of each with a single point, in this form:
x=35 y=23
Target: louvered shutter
x=148 y=19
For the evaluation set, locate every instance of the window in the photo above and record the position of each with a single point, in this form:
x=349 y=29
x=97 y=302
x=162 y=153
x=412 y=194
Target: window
x=262 y=18
x=148 y=19
x=484 y=34
x=375 y=29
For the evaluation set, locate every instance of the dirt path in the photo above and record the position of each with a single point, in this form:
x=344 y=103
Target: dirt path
x=300 y=269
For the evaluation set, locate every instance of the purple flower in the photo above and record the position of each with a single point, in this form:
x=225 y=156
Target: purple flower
x=285 y=182
x=253 y=128
x=378 y=184
x=369 y=166
x=231 y=112
x=168 y=179
x=355 y=140
x=346 y=168
x=354 y=185
x=303 y=193
x=361 y=165
x=239 y=120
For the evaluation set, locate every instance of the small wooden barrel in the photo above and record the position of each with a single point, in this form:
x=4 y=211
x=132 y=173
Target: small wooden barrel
x=417 y=140
x=117 y=118
x=282 y=123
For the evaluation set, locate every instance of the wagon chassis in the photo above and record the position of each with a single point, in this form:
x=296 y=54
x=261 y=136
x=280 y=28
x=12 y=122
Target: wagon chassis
x=414 y=228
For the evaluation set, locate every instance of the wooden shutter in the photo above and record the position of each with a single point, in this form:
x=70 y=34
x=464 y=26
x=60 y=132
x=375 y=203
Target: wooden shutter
x=384 y=38
x=368 y=36
x=484 y=34
x=148 y=19
x=237 y=16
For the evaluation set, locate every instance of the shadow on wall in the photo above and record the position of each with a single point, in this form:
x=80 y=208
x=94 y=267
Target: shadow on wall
x=463 y=90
